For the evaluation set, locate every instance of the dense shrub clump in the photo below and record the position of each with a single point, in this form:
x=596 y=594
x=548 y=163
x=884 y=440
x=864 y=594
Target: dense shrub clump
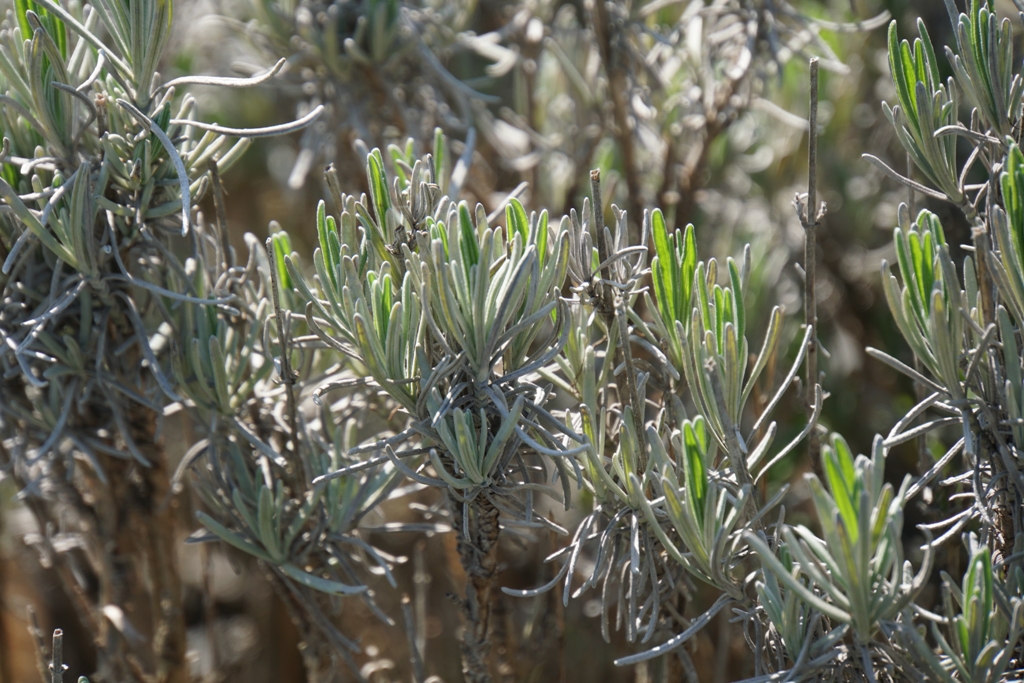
x=515 y=373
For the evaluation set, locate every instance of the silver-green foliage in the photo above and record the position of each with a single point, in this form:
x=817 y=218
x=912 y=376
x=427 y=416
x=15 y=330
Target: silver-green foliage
x=509 y=351
x=95 y=191
x=965 y=330
x=448 y=316
x=120 y=304
x=671 y=482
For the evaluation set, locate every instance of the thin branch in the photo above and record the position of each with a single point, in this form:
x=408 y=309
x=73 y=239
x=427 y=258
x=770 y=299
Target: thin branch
x=810 y=218
x=57 y=660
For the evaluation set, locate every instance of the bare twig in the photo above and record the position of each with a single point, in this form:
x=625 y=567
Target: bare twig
x=57 y=657
x=810 y=218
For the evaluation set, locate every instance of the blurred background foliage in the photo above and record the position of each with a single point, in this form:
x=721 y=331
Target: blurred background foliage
x=742 y=191
x=490 y=73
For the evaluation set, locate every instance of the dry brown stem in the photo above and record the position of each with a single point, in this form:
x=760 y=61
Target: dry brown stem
x=478 y=552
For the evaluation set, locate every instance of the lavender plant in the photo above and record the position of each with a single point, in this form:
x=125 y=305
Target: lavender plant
x=672 y=480
x=510 y=362
x=471 y=348
x=104 y=264
x=446 y=316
